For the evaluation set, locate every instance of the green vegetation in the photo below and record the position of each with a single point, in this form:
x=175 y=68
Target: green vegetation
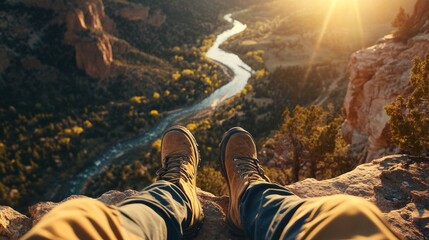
x=401 y=19
x=54 y=120
x=258 y=108
x=409 y=115
x=408 y=25
x=315 y=147
x=402 y=23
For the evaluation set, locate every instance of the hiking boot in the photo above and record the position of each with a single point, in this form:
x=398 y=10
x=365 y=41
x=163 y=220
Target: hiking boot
x=180 y=159
x=240 y=167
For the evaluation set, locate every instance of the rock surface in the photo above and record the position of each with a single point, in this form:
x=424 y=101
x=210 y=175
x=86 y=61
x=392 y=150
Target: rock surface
x=398 y=185
x=377 y=76
x=83 y=20
x=136 y=12
x=140 y=12
x=12 y=223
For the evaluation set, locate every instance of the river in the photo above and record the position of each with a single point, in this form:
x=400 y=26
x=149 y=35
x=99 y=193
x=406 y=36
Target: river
x=242 y=73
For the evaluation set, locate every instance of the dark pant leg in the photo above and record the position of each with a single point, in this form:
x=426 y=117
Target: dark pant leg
x=160 y=211
x=270 y=211
x=265 y=209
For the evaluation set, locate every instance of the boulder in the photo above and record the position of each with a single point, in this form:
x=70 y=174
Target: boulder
x=12 y=223
x=397 y=184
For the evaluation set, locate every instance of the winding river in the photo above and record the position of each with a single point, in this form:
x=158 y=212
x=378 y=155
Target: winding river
x=242 y=73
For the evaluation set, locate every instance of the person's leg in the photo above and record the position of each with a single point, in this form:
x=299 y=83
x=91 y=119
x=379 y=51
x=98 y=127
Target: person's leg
x=167 y=209
x=270 y=211
x=160 y=211
x=82 y=218
x=263 y=210
x=266 y=208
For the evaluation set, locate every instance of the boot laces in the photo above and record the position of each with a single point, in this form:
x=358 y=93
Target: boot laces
x=249 y=167
x=174 y=169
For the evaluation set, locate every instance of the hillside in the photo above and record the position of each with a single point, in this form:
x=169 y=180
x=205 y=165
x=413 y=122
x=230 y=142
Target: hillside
x=78 y=76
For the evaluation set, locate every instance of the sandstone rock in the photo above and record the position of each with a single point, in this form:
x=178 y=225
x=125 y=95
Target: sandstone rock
x=12 y=223
x=139 y=12
x=120 y=46
x=397 y=184
x=135 y=12
x=85 y=32
x=84 y=21
x=214 y=226
x=115 y=197
x=377 y=76
x=95 y=56
x=38 y=210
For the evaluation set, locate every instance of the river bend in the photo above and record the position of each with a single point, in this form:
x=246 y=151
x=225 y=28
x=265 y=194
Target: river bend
x=242 y=73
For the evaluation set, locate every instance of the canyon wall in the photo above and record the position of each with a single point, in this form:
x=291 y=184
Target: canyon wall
x=378 y=75
x=83 y=20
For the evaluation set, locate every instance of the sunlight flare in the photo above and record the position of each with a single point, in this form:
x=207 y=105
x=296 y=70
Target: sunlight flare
x=320 y=38
x=359 y=22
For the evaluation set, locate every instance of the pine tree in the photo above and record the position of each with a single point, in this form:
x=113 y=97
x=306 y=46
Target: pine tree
x=409 y=116
x=401 y=19
x=315 y=141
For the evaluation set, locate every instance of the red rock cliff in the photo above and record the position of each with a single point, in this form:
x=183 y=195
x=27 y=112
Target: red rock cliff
x=83 y=20
x=377 y=76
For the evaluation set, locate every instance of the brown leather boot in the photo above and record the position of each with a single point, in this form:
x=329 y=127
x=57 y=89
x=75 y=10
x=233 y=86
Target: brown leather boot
x=240 y=167
x=180 y=159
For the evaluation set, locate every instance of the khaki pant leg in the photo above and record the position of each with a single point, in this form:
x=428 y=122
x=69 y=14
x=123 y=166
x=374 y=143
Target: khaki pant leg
x=82 y=218
x=341 y=217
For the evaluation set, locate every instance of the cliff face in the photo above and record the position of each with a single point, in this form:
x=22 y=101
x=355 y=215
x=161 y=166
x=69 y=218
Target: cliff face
x=83 y=20
x=377 y=76
x=396 y=184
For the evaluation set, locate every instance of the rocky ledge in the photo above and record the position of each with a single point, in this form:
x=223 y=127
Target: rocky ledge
x=398 y=185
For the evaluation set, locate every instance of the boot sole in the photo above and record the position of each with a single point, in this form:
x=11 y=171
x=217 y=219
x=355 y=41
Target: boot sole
x=235 y=230
x=191 y=232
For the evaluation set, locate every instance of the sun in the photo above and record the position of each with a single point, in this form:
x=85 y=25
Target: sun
x=341 y=10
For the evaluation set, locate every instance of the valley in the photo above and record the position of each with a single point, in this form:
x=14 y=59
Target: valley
x=68 y=127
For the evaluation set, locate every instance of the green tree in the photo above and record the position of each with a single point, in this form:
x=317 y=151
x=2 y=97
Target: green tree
x=315 y=142
x=409 y=116
x=401 y=19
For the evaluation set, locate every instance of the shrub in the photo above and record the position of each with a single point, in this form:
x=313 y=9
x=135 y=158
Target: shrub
x=409 y=116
